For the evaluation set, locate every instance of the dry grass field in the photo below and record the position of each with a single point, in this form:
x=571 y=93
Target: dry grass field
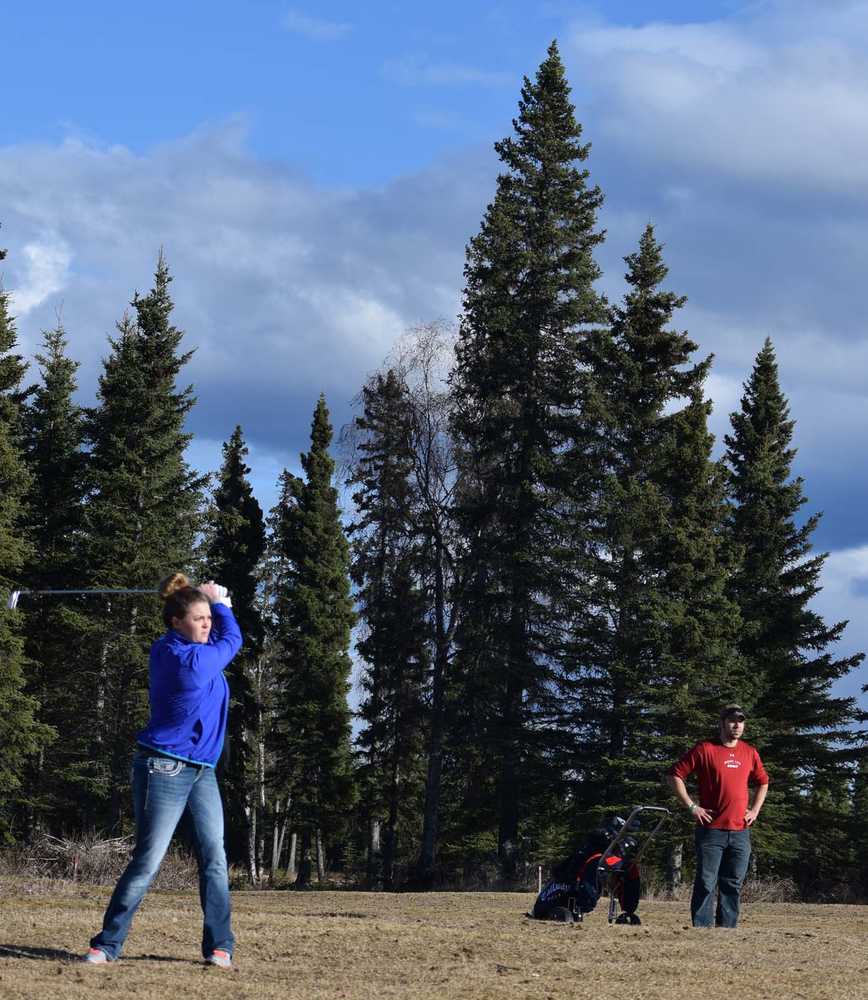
x=359 y=946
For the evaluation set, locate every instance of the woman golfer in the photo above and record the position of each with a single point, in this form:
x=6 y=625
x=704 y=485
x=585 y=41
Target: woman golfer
x=174 y=766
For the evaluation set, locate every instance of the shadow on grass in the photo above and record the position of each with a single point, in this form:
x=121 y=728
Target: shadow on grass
x=61 y=955
x=49 y=954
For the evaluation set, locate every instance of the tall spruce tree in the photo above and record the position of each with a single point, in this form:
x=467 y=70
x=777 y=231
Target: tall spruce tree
x=516 y=387
x=806 y=731
x=697 y=623
x=21 y=735
x=827 y=860
x=859 y=827
x=142 y=516
x=386 y=566
x=54 y=446
x=655 y=646
x=314 y=617
x=237 y=543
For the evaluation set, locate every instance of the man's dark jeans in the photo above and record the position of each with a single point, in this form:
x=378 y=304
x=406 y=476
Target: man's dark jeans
x=721 y=862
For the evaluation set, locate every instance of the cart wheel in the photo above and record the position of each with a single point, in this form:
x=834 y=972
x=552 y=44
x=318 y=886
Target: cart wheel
x=562 y=915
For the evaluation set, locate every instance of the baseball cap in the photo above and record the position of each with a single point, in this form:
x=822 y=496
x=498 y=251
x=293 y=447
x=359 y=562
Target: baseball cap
x=729 y=710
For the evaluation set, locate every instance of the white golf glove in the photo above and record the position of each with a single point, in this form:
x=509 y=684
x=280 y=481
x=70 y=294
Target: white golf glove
x=220 y=594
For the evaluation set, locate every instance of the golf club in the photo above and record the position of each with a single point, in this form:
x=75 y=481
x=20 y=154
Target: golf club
x=12 y=603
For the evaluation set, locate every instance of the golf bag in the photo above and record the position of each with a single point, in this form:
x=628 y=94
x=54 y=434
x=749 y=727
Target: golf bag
x=578 y=881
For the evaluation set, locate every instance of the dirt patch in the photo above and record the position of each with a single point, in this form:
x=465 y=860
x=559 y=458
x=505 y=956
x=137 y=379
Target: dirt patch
x=425 y=946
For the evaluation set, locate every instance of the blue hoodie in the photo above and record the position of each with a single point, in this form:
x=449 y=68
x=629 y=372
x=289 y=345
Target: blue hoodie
x=188 y=692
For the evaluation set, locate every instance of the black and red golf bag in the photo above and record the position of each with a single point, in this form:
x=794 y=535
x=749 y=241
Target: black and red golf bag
x=578 y=882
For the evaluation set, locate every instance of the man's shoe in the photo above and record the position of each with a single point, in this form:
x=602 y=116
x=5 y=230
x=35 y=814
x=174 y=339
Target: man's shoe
x=96 y=956
x=222 y=959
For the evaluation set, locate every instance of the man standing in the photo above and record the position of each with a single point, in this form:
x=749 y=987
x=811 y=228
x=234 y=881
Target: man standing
x=724 y=767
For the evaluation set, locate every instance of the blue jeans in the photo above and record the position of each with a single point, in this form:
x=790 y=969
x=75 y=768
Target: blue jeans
x=162 y=788
x=721 y=863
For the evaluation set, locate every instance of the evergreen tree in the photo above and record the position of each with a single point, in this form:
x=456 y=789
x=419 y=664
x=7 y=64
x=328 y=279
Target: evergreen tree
x=236 y=547
x=655 y=643
x=859 y=827
x=272 y=805
x=142 y=517
x=806 y=732
x=314 y=617
x=54 y=437
x=392 y=606
x=697 y=624
x=516 y=388
x=21 y=735
x=827 y=868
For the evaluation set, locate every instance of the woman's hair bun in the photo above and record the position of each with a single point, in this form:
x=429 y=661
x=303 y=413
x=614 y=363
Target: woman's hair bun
x=178 y=597
x=177 y=581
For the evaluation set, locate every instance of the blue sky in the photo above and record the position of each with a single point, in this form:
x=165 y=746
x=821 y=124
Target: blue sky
x=315 y=171
x=348 y=93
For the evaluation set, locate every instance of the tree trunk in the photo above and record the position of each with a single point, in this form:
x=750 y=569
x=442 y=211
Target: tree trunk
x=320 y=857
x=250 y=812
x=390 y=839
x=275 y=838
x=100 y=693
x=280 y=825
x=674 y=866
x=280 y=842
x=507 y=833
x=511 y=731
x=302 y=879
x=259 y=839
x=431 y=814
x=260 y=843
x=119 y=767
x=374 y=851
x=290 y=861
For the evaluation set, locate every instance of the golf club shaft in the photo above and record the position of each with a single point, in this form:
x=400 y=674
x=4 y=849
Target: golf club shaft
x=16 y=594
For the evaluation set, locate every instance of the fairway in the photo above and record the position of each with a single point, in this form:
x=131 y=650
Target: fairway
x=355 y=946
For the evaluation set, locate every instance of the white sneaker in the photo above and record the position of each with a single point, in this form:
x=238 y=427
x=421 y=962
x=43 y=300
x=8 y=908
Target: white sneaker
x=96 y=956
x=222 y=959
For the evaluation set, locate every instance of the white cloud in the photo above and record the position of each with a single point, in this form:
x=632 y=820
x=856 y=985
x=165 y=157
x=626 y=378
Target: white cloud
x=812 y=361
x=285 y=289
x=778 y=93
x=844 y=597
x=44 y=271
x=317 y=29
x=711 y=46
x=420 y=71
x=360 y=322
x=725 y=392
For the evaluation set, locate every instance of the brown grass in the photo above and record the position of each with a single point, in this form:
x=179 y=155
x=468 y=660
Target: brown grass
x=358 y=946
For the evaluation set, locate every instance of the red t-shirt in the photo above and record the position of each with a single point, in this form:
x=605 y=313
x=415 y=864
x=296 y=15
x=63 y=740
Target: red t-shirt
x=723 y=773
